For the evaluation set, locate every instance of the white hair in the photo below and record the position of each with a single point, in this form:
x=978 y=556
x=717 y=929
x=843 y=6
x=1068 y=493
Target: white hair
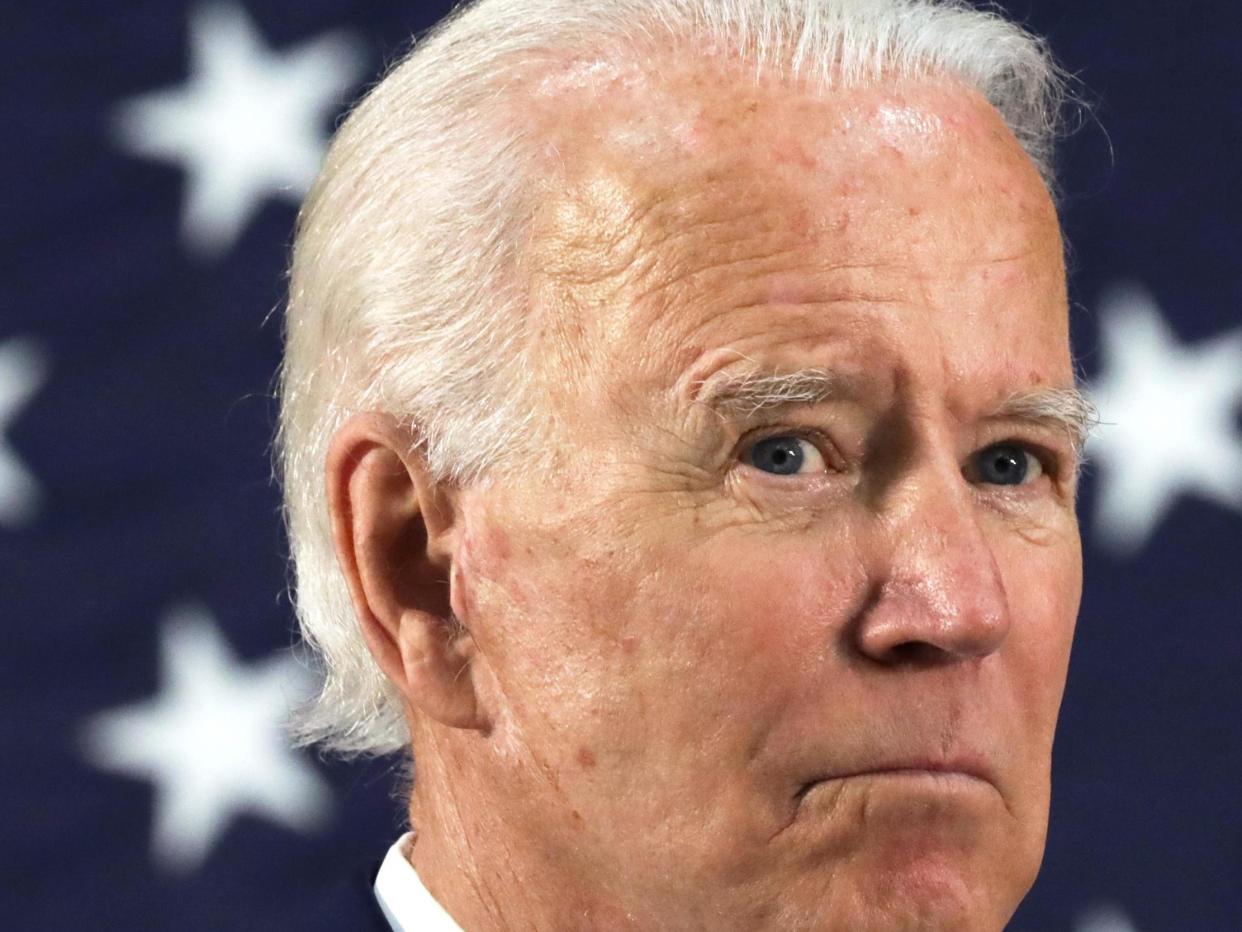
x=403 y=292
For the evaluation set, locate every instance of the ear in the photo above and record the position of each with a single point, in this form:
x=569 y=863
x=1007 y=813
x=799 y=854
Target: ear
x=395 y=531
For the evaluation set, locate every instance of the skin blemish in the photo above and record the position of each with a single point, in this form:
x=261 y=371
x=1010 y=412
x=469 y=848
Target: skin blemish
x=586 y=758
x=629 y=644
x=791 y=152
x=499 y=543
x=479 y=557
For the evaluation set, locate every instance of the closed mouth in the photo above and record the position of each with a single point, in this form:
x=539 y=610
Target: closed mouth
x=945 y=770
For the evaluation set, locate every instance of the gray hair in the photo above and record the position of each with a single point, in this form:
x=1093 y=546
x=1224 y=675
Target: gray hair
x=403 y=293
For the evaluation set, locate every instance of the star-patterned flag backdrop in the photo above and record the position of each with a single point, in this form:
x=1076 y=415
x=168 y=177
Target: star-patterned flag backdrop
x=156 y=155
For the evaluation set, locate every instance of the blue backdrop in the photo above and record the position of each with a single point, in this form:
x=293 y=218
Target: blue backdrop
x=156 y=153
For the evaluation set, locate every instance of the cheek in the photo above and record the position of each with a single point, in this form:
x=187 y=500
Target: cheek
x=1043 y=589
x=561 y=619
x=775 y=611
x=652 y=650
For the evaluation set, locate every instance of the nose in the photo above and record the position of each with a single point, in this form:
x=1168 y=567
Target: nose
x=939 y=595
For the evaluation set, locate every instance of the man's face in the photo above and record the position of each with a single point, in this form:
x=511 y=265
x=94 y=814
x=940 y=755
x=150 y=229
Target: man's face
x=785 y=666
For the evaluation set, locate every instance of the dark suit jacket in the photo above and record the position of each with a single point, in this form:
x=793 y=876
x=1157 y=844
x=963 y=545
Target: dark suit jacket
x=349 y=906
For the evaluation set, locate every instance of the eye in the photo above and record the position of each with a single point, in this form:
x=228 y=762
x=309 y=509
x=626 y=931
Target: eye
x=1005 y=464
x=786 y=455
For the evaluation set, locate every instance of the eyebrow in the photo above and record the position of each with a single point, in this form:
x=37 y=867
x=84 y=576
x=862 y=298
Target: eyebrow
x=749 y=393
x=1066 y=409
x=745 y=395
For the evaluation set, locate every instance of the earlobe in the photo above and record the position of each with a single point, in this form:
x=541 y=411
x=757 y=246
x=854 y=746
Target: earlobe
x=395 y=530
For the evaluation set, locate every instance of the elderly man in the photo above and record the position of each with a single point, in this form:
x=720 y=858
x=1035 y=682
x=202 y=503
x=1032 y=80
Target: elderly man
x=680 y=443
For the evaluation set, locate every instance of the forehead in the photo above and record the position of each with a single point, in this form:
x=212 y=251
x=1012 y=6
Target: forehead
x=712 y=212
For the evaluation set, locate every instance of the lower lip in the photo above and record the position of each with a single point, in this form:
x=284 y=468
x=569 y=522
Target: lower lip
x=919 y=772
x=946 y=779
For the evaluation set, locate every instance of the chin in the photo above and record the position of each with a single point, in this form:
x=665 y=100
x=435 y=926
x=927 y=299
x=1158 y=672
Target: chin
x=924 y=893
x=898 y=885
x=930 y=877
x=937 y=858
x=927 y=895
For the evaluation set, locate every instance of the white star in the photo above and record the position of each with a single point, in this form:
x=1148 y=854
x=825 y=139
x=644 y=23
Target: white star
x=23 y=368
x=1167 y=419
x=1104 y=919
x=248 y=124
x=212 y=741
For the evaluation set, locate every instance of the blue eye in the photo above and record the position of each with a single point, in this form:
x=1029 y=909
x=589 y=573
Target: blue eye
x=784 y=455
x=1006 y=464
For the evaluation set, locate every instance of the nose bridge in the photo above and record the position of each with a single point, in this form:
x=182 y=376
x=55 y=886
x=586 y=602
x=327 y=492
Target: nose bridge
x=942 y=587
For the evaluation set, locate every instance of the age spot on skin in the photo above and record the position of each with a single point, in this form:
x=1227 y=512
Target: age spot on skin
x=586 y=758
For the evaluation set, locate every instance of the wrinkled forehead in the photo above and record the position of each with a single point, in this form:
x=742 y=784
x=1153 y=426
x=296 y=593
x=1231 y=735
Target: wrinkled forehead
x=668 y=202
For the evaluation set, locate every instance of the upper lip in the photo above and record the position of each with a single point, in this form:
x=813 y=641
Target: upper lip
x=970 y=766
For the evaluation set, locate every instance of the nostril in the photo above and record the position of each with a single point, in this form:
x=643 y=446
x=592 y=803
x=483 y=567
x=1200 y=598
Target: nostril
x=916 y=653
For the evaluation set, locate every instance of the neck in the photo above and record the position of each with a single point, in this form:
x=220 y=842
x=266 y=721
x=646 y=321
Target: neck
x=486 y=871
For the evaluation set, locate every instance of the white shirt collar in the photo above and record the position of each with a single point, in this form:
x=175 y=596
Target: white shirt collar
x=407 y=904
